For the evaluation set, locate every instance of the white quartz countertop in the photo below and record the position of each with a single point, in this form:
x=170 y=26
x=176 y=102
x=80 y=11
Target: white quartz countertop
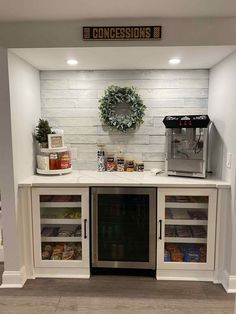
x=95 y=178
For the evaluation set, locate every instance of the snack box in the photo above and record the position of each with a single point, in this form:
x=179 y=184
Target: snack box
x=50 y=231
x=192 y=256
x=198 y=215
x=170 y=231
x=172 y=247
x=198 y=232
x=187 y=247
x=167 y=257
x=183 y=231
x=177 y=256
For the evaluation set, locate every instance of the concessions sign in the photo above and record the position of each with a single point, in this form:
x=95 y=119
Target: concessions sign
x=121 y=32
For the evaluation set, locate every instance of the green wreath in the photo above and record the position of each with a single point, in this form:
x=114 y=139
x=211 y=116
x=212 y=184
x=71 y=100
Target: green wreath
x=115 y=95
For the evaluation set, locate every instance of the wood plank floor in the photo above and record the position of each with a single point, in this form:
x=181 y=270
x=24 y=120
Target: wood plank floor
x=115 y=294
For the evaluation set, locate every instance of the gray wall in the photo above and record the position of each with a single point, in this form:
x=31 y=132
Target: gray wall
x=7 y=179
x=70 y=101
x=176 y=32
x=19 y=112
x=24 y=112
x=222 y=104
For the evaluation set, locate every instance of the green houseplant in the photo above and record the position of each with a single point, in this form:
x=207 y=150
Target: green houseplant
x=41 y=132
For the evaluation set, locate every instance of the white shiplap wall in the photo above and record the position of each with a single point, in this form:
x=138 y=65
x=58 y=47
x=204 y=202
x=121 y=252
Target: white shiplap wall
x=70 y=101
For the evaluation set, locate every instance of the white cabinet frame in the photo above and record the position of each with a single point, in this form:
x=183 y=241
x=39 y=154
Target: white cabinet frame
x=39 y=263
x=211 y=225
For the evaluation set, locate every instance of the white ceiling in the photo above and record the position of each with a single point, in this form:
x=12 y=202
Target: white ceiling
x=41 y=10
x=105 y=58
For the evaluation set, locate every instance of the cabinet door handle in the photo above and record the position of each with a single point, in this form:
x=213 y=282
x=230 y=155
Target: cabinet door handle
x=160 y=233
x=85 y=228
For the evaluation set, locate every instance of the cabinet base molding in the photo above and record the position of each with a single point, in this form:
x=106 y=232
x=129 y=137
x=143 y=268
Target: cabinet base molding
x=14 y=279
x=229 y=282
x=190 y=275
x=54 y=272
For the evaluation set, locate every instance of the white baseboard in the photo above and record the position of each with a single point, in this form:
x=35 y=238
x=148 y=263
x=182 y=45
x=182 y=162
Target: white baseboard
x=229 y=282
x=14 y=279
x=63 y=272
x=186 y=275
x=63 y=276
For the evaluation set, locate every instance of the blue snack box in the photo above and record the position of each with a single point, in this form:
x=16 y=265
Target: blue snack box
x=192 y=256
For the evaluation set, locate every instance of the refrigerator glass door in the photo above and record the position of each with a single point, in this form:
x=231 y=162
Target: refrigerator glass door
x=124 y=228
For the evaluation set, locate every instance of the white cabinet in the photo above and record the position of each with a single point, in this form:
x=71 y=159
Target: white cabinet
x=61 y=231
x=186 y=223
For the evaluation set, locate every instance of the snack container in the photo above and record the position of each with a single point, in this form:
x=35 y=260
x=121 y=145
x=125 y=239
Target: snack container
x=101 y=165
x=140 y=166
x=42 y=162
x=120 y=164
x=111 y=163
x=129 y=165
x=64 y=160
x=53 y=161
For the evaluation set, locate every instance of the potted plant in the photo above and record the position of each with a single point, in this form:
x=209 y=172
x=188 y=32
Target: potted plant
x=41 y=132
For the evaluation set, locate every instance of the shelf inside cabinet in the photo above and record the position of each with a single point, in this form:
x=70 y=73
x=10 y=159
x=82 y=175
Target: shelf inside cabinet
x=185 y=240
x=60 y=221
x=189 y=222
x=186 y=205
x=60 y=204
x=61 y=239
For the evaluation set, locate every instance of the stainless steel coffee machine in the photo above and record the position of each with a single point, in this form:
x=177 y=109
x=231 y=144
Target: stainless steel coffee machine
x=186 y=145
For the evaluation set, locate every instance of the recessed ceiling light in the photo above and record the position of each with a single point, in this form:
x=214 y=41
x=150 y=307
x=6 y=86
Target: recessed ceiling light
x=72 y=62
x=174 y=61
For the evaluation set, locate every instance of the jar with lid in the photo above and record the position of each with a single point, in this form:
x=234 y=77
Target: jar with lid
x=129 y=165
x=111 y=165
x=64 y=160
x=53 y=161
x=140 y=166
x=120 y=163
x=101 y=165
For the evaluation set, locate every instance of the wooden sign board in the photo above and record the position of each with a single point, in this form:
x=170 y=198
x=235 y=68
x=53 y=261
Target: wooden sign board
x=55 y=141
x=121 y=32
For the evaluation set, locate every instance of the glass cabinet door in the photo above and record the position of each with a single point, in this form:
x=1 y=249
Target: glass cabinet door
x=60 y=227
x=124 y=227
x=186 y=228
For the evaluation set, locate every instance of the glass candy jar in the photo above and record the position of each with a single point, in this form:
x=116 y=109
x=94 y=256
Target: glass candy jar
x=129 y=165
x=101 y=165
x=111 y=165
x=140 y=166
x=120 y=164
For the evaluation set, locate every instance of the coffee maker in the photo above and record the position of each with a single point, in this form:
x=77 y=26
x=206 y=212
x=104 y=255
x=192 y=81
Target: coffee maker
x=186 y=145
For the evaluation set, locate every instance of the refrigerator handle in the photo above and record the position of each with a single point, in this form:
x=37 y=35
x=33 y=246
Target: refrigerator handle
x=85 y=228
x=160 y=234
